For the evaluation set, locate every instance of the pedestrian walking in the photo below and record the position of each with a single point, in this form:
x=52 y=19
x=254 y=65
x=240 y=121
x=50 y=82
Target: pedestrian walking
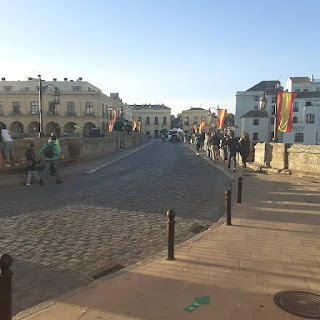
x=233 y=148
x=197 y=142
x=215 y=141
x=51 y=155
x=224 y=147
x=31 y=163
x=244 y=143
x=52 y=169
x=202 y=137
x=8 y=147
x=207 y=146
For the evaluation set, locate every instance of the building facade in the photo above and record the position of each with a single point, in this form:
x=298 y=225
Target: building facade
x=306 y=111
x=193 y=117
x=154 y=119
x=70 y=107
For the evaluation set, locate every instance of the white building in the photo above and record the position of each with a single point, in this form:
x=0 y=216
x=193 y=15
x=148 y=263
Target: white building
x=260 y=123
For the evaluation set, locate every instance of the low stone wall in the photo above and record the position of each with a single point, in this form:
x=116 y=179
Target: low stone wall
x=304 y=158
x=296 y=157
x=82 y=149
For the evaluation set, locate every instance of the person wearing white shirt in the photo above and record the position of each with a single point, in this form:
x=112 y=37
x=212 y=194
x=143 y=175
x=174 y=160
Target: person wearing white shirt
x=8 y=148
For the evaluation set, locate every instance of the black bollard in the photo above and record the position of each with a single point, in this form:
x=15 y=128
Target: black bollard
x=5 y=287
x=170 y=232
x=228 y=207
x=239 y=189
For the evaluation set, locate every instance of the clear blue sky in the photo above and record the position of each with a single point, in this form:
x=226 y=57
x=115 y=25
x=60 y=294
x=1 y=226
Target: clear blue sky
x=181 y=53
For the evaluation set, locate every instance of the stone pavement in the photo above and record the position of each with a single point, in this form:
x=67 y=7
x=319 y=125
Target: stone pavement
x=273 y=245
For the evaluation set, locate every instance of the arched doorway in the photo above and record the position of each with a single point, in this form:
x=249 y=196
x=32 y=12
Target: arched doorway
x=2 y=125
x=52 y=126
x=70 y=129
x=17 y=129
x=87 y=129
x=33 y=129
x=103 y=129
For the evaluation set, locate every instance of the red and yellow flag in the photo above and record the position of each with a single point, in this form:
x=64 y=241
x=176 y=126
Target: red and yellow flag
x=221 y=116
x=284 y=111
x=134 y=125
x=114 y=115
x=195 y=127
x=110 y=126
x=202 y=125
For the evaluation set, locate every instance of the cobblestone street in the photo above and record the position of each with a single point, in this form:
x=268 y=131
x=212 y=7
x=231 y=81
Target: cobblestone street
x=61 y=235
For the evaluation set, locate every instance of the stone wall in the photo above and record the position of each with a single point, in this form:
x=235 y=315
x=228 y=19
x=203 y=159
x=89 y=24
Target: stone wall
x=82 y=149
x=295 y=157
x=304 y=158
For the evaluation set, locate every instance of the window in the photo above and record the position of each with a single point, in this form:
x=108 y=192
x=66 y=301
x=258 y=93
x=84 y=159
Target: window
x=308 y=103
x=52 y=108
x=76 y=89
x=295 y=106
x=271 y=136
x=34 y=108
x=1 y=110
x=256 y=98
x=255 y=122
x=273 y=99
x=71 y=109
x=255 y=107
x=16 y=107
x=310 y=118
x=7 y=88
x=295 y=119
x=273 y=110
x=272 y=120
x=156 y=121
x=102 y=110
x=89 y=108
x=297 y=90
x=195 y=120
x=164 y=120
x=298 y=137
x=27 y=89
x=255 y=136
x=148 y=120
x=187 y=121
x=318 y=89
x=305 y=90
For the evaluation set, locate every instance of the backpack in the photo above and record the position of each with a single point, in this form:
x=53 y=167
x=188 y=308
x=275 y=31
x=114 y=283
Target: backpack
x=29 y=157
x=48 y=151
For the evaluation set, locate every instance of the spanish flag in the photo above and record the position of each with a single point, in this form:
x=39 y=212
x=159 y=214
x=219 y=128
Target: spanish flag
x=201 y=126
x=221 y=116
x=284 y=111
x=195 y=127
x=134 y=125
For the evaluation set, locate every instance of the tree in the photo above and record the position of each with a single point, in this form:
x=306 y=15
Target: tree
x=229 y=120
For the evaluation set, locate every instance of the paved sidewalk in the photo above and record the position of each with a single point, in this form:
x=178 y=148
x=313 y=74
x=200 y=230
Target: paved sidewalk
x=16 y=178
x=272 y=246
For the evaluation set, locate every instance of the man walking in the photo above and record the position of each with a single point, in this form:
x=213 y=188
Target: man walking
x=8 y=147
x=51 y=155
x=215 y=141
x=233 y=148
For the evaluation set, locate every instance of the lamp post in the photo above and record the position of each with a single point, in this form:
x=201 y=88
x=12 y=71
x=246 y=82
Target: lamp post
x=42 y=89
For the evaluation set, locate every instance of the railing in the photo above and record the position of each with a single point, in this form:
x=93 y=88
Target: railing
x=52 y=113
x=32 y=113
x=14 y=113
x=71 y=114
x=156 y=123
x=91 y=114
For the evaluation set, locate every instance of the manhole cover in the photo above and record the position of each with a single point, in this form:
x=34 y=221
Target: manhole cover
x=299 y=303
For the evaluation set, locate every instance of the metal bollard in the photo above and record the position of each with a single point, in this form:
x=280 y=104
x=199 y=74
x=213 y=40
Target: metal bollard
x=170 y=232
x=228 y=207
x=5 y=287
x=239 y=189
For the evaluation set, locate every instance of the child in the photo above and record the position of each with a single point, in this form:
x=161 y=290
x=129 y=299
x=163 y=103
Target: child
x=31 y=163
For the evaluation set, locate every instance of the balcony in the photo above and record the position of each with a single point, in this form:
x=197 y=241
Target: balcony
x=70 y=114
x=156 y=123
x=89 y=114
x=15 y=113
x=52 y=113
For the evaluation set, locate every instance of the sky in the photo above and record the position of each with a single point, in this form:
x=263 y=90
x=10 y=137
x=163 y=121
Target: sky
x=181 y=53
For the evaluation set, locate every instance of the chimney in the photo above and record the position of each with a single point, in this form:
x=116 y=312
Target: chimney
x=311 y=78
x=3 y=79
x=80 y=79
x=71 y=80
x=30 y=79
x=65 y=79
x=54 y=79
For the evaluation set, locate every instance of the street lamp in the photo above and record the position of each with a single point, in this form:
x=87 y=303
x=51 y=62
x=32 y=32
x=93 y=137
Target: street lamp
x=209 y=111
x=42 y=89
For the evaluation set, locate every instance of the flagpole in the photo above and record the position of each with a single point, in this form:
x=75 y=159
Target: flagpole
x=275 y=128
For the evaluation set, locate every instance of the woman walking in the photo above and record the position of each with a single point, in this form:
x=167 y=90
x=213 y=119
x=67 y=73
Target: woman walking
x=244 y=148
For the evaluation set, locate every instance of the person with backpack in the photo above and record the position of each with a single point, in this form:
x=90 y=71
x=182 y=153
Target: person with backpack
x=51 y=155
x=31 y=163
x=52 y=169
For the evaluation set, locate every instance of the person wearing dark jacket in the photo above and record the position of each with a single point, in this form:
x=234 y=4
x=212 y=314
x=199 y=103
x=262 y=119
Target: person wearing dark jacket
x=233 y=148
x=244 y=148
x=215 y=141
x=31 y=163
